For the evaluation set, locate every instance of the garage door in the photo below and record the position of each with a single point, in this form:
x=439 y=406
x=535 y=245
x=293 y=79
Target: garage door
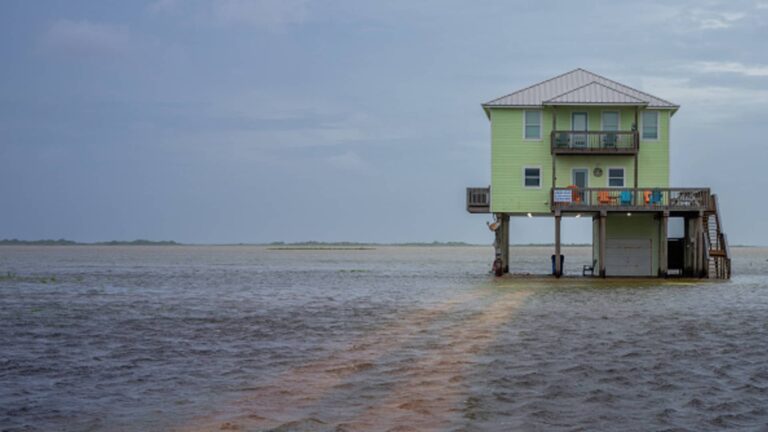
x=628 y=257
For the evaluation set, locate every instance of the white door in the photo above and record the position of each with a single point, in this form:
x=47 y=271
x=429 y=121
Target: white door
x=628 y=257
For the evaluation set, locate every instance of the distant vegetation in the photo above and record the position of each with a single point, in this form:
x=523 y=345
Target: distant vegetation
x=360 y=244
x=64 y=242
x=139 y=242
x=46 y=242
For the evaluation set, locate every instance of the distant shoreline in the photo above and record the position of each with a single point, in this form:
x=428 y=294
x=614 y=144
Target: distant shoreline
x=309 y=245
x=64 y=242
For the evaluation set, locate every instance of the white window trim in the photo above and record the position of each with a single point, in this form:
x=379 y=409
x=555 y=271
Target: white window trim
x=583 y=169
x=658 y=126
x=623 y=177
x=618 y=114
x=541 y=176
x=541 y=125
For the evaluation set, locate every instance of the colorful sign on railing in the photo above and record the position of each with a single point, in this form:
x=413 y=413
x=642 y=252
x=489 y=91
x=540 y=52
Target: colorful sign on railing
x=563 y=196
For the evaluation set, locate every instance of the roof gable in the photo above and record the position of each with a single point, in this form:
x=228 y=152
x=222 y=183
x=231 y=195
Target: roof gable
x=594 y=93
x=577 y=80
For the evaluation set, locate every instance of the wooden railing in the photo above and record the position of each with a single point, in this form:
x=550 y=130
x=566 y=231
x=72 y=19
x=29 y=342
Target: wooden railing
x=629 y=199
x=479 y=200
x=594 y=142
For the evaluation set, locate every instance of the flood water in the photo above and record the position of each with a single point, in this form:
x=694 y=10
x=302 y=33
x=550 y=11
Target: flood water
x=395 y=338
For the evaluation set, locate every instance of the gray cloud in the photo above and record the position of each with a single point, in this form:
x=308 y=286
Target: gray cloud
x=264 y=14
x=83 y=37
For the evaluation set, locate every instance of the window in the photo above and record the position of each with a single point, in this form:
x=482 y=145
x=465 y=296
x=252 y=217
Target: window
x=615 y=177
x=532 y=177
x=532 y=125
x=611 y=121
x=650 y=125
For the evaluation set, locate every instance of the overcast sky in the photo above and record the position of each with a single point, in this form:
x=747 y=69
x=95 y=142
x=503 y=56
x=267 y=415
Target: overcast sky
x=256 y=121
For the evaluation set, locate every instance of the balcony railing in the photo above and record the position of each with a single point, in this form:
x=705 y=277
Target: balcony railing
x=624 y=199
x=594 y=142
x=479 y=200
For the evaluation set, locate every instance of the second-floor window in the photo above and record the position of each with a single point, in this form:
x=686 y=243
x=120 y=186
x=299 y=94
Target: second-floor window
x=615 y=177
x=650 y=125
x=532 y=125
x=532 y=177
x=610 y=121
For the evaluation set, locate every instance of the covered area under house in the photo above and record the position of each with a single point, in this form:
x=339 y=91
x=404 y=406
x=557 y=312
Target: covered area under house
x=630 y=230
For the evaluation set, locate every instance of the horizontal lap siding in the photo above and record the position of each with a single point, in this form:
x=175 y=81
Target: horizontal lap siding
x=653 y=158
x=565 y=165
x=509 y=154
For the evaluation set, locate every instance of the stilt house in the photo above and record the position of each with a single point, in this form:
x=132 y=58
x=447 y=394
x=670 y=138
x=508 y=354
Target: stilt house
x=582 y=145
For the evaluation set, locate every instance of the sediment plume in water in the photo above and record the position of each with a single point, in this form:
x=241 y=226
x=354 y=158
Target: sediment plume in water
x=288 y=397
x=237 y=338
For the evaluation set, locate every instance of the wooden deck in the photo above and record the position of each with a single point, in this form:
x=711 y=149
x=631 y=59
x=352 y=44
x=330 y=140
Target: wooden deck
x=629 y=199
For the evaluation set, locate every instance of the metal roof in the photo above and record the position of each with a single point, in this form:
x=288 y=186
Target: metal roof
x=576 y=85
x=594 y=93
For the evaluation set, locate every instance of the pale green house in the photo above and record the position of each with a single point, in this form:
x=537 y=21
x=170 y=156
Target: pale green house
x=582 y=145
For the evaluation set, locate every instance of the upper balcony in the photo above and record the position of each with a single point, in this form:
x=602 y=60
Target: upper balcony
x=594 y=142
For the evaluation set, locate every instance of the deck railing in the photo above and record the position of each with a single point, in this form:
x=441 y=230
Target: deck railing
x=594 y=142
x=629 y=199
x=479 y=200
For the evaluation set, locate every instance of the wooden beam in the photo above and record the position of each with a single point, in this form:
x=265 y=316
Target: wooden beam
x=554 y=175
x=558 y=269
x=700 y=262
x=558 y=252
x=551 y=145
x=636 y=173
x=637 y=126
x=663 y=243
x=601 y=242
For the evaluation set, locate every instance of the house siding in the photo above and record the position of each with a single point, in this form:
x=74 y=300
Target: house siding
x=510 y=153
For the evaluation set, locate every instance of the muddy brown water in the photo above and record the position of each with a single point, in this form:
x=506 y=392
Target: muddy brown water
x=393 y=338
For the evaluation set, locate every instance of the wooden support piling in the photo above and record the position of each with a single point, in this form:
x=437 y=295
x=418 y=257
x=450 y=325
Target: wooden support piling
x=558 y=269
x=663 y=244
x=505 y=242
x=601 y=243
x=700 y=245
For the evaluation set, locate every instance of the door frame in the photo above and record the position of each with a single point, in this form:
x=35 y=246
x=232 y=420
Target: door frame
x=573 y=172
x=582 y=194
x=586 y=128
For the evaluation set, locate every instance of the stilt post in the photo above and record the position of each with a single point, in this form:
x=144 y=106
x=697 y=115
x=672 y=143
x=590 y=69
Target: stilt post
x=601 y=243
x=505 y=242
x=558 y=269
x=700 y=246
x=663 y=243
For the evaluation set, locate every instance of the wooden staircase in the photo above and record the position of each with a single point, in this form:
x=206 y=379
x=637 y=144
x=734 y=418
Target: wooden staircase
x=718 y=252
